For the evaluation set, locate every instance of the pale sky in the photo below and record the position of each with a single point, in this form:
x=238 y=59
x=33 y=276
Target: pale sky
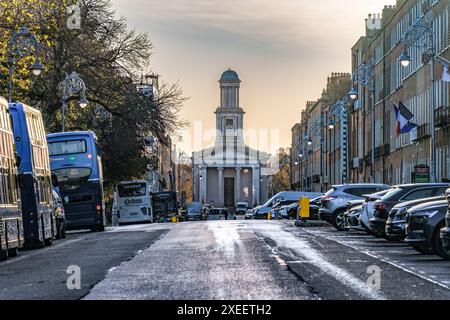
x=282 y=50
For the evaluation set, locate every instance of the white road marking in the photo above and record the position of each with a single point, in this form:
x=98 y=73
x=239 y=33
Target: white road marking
x=303 y=249
x=401 y=266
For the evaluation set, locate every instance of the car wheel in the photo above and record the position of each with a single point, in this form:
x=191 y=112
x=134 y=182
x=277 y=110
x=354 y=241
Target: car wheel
x=423 y=249
x=442 y=250
x=338 y=220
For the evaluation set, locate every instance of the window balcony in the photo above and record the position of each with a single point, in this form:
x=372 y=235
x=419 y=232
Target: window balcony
x=442 y=117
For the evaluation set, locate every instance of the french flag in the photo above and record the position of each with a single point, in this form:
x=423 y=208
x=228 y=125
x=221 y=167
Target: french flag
x=403 y=117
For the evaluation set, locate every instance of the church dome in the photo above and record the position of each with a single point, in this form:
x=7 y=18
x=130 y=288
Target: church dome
x=229 y=75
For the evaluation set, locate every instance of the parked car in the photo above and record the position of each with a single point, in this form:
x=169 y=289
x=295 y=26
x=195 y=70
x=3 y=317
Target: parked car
x=367 y=210
x=58 y=211
x=445 y=232
x=194 y=211
x=396 y=222
x=262 y=211
x=334 y=202
x=275 y=212
x=241 y=207
x=351 y=216
x=401 y=193
x=292 y=210
x=314 y=206
x=423 y=225
x=249 y=214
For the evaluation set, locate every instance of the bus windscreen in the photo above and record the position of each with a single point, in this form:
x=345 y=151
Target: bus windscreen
x=131 y=190
x=67 y=147
x=72 y=178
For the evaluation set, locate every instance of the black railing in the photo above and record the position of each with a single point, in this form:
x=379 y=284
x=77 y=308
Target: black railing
x=382 y=150
x=423 y=131
x=442 y=117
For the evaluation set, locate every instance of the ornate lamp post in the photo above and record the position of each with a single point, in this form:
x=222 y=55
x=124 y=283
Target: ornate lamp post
x=317 y=130
x=70 y=86
x=20 y=44
x=339 y=110
x=421 y=35
x=365 y=75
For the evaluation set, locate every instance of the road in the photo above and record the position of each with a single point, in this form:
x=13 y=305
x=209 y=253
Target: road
x=242 y=259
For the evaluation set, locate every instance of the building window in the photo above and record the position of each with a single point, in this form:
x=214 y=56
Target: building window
x=229 y=122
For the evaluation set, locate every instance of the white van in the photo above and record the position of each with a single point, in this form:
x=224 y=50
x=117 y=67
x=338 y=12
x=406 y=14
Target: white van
x=134 y=202
x=262 y=211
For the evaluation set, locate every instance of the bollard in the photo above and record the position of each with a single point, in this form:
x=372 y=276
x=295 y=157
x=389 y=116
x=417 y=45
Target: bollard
x=304 y=208
x=268 y=215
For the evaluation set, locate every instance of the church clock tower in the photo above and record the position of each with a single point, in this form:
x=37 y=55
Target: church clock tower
x=229 y=115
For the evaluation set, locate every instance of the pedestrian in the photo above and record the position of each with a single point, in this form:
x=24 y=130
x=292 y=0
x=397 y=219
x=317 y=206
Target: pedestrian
x=226 y=214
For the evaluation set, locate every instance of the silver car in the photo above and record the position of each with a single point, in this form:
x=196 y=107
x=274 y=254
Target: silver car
x=334 y=202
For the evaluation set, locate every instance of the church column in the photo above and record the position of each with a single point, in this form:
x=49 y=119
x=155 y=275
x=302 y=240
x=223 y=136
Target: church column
x=221 y=192
x=238 y=185
x=255 y=185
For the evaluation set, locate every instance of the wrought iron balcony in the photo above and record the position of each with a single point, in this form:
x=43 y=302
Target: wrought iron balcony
x=442 y=117
x=382 y=150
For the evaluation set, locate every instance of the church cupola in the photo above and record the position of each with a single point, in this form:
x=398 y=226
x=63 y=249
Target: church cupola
x=229 y=89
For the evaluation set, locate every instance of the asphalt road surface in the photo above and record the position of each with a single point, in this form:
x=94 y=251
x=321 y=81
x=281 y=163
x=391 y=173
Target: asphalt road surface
x=243 y=259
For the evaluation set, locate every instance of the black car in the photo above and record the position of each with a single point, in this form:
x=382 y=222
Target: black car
x=423 y=225
x=396 y=223
x=401 y=193
x=445 y=232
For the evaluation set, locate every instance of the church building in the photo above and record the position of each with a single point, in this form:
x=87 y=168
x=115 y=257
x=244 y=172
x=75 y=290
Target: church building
x=229 y=172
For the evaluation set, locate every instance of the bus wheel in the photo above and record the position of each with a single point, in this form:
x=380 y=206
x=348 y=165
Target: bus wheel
x=13 y=252
x=3 y=255
x=48 y=242
x=100 y=228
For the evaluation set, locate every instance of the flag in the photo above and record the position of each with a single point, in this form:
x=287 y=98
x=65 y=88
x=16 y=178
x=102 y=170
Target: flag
x=446 y=74
x=403 y=117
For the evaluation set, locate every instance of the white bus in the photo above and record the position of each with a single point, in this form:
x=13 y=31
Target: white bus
x=133 y=202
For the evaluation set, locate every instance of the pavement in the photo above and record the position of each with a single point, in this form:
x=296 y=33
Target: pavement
x=241 y=259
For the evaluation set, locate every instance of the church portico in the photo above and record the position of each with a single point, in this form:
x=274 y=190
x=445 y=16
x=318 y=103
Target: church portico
x=229 y=172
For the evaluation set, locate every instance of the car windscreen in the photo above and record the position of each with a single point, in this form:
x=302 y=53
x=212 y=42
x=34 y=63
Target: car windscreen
x=194 y=209
x=71 y=179
x=131 y=190
x=329 y=192
x=392 y=194
x=67 y=147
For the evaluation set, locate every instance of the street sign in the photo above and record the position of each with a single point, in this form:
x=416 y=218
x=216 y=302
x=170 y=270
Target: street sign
x=421 y=174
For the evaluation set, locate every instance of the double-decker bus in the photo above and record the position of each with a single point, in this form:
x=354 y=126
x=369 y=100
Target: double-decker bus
x=133 y=202
x=165 y=205
x=34 y=175
x=11 y=227
x=75 y=160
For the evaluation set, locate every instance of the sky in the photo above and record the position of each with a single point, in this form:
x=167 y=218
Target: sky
x=282 y=50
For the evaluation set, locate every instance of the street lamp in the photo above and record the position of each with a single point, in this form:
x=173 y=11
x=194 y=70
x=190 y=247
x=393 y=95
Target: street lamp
x=70 y=86
x=421 y=35
x=20 y=44
x=331 y=124
x=365 y=75
x=405 y=59
x=317 y=130
x=339 y=109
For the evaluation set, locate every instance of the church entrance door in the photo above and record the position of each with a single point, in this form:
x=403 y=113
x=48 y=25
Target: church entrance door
x=229 y=192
